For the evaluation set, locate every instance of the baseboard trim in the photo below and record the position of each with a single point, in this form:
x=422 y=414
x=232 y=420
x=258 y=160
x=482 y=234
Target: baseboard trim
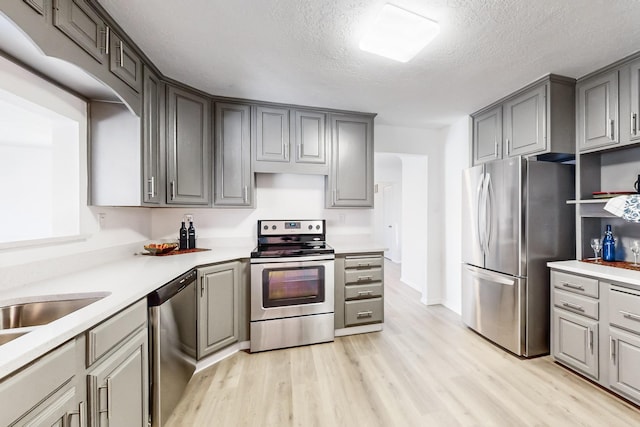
x=376 y=327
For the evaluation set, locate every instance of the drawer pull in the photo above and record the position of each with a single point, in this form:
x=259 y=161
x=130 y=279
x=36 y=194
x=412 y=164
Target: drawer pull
x=362 y=278
x=573 y=306
x=591 y=340
x=612 y=350
x=362 y=314
x=630 y=315
x=572 y=286
x=364 y=293
x=364 y=264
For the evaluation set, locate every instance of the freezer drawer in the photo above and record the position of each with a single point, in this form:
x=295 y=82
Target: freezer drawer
x=493 y=305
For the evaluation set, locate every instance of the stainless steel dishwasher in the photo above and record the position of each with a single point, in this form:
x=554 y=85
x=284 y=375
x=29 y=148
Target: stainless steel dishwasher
x=172 y=346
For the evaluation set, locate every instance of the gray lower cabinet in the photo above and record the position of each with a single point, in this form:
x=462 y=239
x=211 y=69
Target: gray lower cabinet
x=234 y=180
x=359 y=290
x=575 y=341
x=153 y=181
x=597 y=112
x=188 y=144
x=45 y=392
x=624 y=363
x=487 y=135
x=118 y=385
x=350 y=181
x=219 y=306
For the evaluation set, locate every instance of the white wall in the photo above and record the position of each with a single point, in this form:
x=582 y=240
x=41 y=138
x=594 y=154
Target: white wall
x=456 y=159
x=429 y=143
x=388 y=173
x=278 y=196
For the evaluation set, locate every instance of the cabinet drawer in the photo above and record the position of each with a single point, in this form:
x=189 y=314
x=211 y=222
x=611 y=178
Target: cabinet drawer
x=36 y=382
x=576 y=303
x=364 y=311
x=577 y=284
x=370 y=290
x=624 y=309
x=363 y=275
x=109 y=333
x=363 y=262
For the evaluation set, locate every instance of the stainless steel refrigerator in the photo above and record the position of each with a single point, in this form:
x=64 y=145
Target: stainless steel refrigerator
x=514 y=220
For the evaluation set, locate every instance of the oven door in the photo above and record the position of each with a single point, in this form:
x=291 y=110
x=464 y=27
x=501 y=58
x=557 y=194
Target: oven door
x=288 y=287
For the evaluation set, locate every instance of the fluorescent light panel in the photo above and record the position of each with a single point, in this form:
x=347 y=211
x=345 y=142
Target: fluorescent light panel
x=399 y=34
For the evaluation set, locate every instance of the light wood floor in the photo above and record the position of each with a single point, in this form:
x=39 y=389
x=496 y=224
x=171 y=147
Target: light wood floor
x=425 y=369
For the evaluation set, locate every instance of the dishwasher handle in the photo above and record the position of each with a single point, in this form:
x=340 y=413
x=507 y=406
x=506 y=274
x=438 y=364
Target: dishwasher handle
x=174 y=287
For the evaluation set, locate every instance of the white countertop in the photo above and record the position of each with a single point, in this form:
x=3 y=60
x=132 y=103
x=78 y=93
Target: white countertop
x=355 y=244
x=124 y=282
x=613 y=274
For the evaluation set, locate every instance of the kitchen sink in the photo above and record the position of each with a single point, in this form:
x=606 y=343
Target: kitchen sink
x=9 y=335
x=42 y=312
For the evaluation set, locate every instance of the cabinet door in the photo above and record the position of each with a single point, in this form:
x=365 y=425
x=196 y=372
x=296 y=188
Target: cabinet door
x=82 y=25
x=233 y=177
x=524 y=123
x=624 y=360
x=575 y=342
x=271 y=135
x=188 y=136
x=351 y=177
x=153 y=184
x=598 y=112
x=219 y=307
x=40 y=6
x=118 y=386
x=310 y=141
x=63 y=409
x=635 y=100
x=487 y=136
x=124 y=62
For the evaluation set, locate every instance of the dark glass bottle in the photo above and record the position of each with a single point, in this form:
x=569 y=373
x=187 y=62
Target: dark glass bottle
x=192 y=235
x=183 y=237
x=608 y=245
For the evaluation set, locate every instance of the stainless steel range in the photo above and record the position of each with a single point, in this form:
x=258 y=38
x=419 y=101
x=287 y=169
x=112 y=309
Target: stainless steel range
x=291 y=285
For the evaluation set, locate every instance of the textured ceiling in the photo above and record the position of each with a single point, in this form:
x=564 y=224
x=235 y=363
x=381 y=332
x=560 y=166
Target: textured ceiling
x=306 y=51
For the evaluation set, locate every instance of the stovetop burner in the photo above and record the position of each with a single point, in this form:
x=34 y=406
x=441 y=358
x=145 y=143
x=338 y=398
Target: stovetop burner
x=286 y=238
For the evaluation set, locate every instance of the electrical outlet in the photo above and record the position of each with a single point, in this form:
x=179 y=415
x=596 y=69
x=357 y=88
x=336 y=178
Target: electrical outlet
x=188 y=218
x=102 y=218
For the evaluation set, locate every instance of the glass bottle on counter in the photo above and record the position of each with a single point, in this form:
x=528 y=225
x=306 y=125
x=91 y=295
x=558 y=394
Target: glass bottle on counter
x=608 y=245
x=183 y=236
x=191 y=236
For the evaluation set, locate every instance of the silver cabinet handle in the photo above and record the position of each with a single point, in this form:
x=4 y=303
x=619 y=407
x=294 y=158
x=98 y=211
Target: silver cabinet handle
x=81 y=413
x=364 y=293
x=365 y=314
x=299 y=154
x=495 y=148
x=109 y=398
x=121 y=46
x=572 y=286
x=572 y=306
x=245 y=193
x=362 y=264
x=362 y=278
x=335 y=196
x=152 y=186
x=201 y=287
x=285 y=148
x=173 y=190
x=630 y=315
x=612 y=124
x=107 y=39
x=634 y=124
x=508 y=150
x=612 y=350
x=591 y=340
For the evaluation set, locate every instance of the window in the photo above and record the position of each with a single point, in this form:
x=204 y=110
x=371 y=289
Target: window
x=41 y=144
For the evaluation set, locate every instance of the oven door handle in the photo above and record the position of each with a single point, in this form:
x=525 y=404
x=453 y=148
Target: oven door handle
x=308 y=260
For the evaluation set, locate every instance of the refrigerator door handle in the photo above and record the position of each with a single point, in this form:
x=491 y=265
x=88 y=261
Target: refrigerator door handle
x=496 y=278
x=479 y=208
x=487 y=209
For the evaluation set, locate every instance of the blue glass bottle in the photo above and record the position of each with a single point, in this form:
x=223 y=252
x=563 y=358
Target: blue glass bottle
x=608 y=246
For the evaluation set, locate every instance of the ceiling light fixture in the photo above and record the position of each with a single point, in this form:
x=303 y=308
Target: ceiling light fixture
x=398 y=34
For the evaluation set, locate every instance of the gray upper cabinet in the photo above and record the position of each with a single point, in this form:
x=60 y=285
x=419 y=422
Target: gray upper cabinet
x=524 y=123
x=219 y=307
x=487 y=135
x=83 y=25
x=350 y=182
x=40 y=6
x=537 y=119
x=188 y=144
x=634 y=93
x=290 y=141
x=124 y=62
x=598 y=121
x=153 y=187
x=271 y=136
x=234 y=183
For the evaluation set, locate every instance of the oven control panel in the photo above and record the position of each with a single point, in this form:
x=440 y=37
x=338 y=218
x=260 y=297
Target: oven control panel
x=286 y=227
